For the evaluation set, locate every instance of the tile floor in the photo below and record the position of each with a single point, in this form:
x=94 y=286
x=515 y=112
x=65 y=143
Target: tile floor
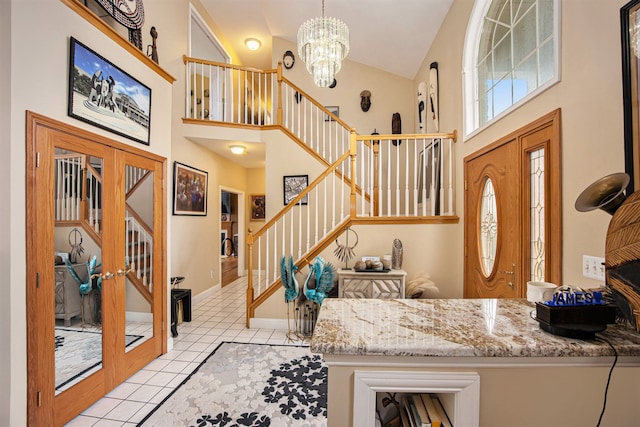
x=220 y=317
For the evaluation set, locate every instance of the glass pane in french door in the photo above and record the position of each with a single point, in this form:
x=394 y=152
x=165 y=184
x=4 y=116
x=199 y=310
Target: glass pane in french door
x=139 y=257
x=77 y=195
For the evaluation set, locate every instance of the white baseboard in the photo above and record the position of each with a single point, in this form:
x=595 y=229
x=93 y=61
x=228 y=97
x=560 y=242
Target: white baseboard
x=135 y=316
x=205 y=294
x=261 y=323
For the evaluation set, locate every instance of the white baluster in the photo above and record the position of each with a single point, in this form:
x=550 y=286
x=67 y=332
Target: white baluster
x=450 y=211
x=432 y=192
x=406 y=178
x=441 y=163
x=188 y=90
x=388 y=178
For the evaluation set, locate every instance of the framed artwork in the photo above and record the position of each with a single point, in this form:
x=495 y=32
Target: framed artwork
x=630 y=31
x=333 y=110
x=258 y=207
x=189 y=190
x=294 y=185
x=103 y=95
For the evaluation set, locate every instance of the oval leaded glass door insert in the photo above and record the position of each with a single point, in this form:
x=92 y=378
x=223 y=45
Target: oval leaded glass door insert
x=488 y=227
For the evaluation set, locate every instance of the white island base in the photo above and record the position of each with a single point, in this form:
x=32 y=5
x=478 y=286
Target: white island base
x=489 y=356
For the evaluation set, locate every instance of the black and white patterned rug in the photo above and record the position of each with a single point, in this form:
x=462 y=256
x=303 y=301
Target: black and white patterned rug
x=249 y=385
x=78 y=351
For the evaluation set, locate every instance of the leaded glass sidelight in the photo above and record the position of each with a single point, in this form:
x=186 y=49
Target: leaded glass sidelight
x=537 y=249
x=488 y=227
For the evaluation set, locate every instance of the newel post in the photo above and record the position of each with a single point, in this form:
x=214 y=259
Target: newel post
x=250 y=278
x=279 y=113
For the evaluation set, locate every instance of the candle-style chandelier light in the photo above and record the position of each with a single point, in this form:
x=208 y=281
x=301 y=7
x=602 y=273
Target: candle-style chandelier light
x=322 y=45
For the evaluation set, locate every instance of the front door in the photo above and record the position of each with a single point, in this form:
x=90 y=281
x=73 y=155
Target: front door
x=492 y=200
x=513 y=212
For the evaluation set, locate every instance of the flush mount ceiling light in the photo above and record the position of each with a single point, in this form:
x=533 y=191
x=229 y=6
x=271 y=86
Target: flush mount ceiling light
x=238 y=150
x=322 y=45
x=253 y=43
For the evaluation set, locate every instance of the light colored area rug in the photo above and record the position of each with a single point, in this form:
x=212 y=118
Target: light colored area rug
x=249 y=385
x=78 y=351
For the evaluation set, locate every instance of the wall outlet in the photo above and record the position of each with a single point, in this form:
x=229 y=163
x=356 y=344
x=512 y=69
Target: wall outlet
x=593 y=267
x=212 y=273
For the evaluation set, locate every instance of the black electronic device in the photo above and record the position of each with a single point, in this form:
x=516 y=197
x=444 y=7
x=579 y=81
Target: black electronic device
x=575 y=321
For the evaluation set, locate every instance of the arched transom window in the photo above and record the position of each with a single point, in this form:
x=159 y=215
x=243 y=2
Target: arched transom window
x=511 y=54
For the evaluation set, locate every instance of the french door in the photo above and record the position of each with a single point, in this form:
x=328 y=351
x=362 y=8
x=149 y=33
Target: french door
x=96 y=210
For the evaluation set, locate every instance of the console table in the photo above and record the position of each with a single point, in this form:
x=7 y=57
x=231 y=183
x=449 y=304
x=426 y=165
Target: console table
x=369 y=284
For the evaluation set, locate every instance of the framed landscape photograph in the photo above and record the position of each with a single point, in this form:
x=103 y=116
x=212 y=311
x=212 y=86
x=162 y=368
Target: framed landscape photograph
x=105 y=96
x=258 y=210
x=189 y=190
x=294 y=185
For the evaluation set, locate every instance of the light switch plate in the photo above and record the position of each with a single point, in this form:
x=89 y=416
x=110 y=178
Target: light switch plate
x=593 y=267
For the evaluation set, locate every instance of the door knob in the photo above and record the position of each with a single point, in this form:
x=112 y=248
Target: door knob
x=122 y=272
x=106 y=276
x=512 y=273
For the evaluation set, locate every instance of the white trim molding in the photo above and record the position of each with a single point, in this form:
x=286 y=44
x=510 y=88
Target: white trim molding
x=464 y=385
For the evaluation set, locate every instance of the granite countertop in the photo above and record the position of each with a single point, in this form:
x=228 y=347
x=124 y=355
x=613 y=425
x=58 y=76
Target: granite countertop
x=451 y=327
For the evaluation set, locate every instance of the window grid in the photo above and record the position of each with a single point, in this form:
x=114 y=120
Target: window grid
x=500 y=88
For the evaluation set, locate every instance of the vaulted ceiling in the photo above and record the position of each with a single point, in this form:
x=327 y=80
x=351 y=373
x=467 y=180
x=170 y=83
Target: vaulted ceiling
x=391 y=35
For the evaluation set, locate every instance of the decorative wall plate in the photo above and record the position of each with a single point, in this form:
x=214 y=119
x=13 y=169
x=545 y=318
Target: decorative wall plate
x=288 y=59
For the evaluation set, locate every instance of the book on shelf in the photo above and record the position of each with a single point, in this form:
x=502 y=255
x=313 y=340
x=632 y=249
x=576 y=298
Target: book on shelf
x=434 y=416
x=434 y=406
x=404 y=418
x=411 y=402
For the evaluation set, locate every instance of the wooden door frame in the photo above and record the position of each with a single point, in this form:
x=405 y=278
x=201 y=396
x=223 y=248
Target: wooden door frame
x=553 y=195
x=41 y=398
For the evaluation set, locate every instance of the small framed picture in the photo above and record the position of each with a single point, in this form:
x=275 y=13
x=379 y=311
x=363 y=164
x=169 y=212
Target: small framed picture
x=333 y=110
x=189 y=190
x=258 y=211
x=294 y=185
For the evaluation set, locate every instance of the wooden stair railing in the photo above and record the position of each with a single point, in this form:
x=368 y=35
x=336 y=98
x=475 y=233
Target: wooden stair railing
x=318 y=212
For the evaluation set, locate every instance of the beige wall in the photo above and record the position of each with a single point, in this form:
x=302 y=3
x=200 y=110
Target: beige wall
x=590 y=96
x=7 y=400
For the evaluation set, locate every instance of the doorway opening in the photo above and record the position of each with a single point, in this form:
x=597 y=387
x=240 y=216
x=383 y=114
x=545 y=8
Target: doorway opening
x=231 y=235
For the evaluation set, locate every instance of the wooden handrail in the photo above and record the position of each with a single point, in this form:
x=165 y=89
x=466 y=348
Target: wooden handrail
x=317 y=104
x=452 y=136
x=302 y=194
x=186 y=59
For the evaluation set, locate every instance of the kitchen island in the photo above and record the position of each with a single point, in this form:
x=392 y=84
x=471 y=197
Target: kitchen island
x=489 y=356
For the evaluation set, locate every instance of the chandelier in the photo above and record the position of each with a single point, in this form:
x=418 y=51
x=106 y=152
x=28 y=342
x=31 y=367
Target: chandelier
x=322 y=45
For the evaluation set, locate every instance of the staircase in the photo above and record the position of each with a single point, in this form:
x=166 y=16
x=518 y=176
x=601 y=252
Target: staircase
x=368 y=179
